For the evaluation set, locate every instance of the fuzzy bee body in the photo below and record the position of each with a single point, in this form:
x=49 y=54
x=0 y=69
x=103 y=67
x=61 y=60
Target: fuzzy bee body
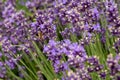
x=40 y=35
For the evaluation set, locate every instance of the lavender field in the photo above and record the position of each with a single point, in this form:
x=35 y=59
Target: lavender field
x=59 y=39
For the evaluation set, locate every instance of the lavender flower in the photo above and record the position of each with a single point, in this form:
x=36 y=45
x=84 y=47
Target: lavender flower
x=117 y=45
x=58 y=51
x=113 y=64
x=81 y=18
x=81 y=74
x=112 y=16
x=2 y=70
x=44 y=26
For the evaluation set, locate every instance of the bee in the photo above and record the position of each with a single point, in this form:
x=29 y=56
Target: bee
x=40 y=35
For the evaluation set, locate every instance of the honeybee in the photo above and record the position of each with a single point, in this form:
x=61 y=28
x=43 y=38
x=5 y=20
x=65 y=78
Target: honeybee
x=40 y=35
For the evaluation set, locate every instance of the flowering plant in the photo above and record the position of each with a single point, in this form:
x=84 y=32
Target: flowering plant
x=59 y=40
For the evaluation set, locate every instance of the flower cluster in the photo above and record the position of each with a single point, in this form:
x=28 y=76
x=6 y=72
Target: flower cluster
x=112 y=16
x=65 y=54
x=44 y=27
x=81 y=25
x=113 y=65
x=13 y=35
